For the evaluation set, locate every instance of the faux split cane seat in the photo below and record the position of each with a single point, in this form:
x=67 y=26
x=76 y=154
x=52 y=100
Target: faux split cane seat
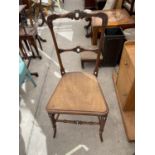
x=78 y=92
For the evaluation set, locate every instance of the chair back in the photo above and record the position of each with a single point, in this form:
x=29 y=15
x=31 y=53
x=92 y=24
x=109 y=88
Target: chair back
x=77 y=15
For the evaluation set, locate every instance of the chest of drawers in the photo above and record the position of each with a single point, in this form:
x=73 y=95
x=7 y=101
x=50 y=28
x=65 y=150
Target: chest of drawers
x=124 y=82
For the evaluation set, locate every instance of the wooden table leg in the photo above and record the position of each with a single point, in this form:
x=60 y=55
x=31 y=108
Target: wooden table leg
x=94 y=35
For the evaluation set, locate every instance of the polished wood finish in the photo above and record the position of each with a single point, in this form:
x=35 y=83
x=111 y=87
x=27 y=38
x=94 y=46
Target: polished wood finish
x=77 y=93
x=29 y=34
x=125 y=88
x=116 y=18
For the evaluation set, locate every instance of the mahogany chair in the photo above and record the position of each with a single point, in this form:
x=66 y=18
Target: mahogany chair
x=90 y=57
x=77 y=93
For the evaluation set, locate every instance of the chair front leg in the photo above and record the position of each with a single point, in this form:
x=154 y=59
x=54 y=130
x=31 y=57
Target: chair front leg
x=102 y=120
x=53 y=120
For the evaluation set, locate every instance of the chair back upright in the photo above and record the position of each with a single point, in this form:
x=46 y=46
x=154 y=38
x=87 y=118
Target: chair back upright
x=77 y=15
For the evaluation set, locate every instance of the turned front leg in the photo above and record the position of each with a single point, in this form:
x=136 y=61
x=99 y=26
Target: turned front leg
x=102 y=120
x=53 y=120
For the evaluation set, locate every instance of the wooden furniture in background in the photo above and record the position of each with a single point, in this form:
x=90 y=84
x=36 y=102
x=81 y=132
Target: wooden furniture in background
x=119 y=4
x=29 y=35
x=77 y=93
x=109 y=5
x=36 y=10
x=129 y=5
x=116 y=18
x=124 y=83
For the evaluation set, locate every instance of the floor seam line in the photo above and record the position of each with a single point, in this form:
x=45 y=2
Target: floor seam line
x=40 y=95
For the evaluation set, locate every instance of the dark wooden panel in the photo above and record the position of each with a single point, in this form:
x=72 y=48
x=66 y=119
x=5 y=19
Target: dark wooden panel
x=90 y=4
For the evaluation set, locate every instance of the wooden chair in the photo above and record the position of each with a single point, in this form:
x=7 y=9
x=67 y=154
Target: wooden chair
x=129 y=5
x=77 y=93
x=29 y=35
x=41 y=10
x=89 y=57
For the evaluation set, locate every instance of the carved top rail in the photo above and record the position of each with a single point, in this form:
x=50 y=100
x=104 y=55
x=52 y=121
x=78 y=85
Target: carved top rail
x=77 y=15
x=78 y=49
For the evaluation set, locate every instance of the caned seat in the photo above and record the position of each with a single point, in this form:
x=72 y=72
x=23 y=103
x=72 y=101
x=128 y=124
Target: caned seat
x=78 y=92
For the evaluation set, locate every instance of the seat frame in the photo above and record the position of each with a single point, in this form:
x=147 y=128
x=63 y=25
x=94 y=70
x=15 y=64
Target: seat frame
x=54 y=114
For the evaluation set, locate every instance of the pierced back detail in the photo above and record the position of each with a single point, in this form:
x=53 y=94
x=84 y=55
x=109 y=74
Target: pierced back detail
x=77 y=14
